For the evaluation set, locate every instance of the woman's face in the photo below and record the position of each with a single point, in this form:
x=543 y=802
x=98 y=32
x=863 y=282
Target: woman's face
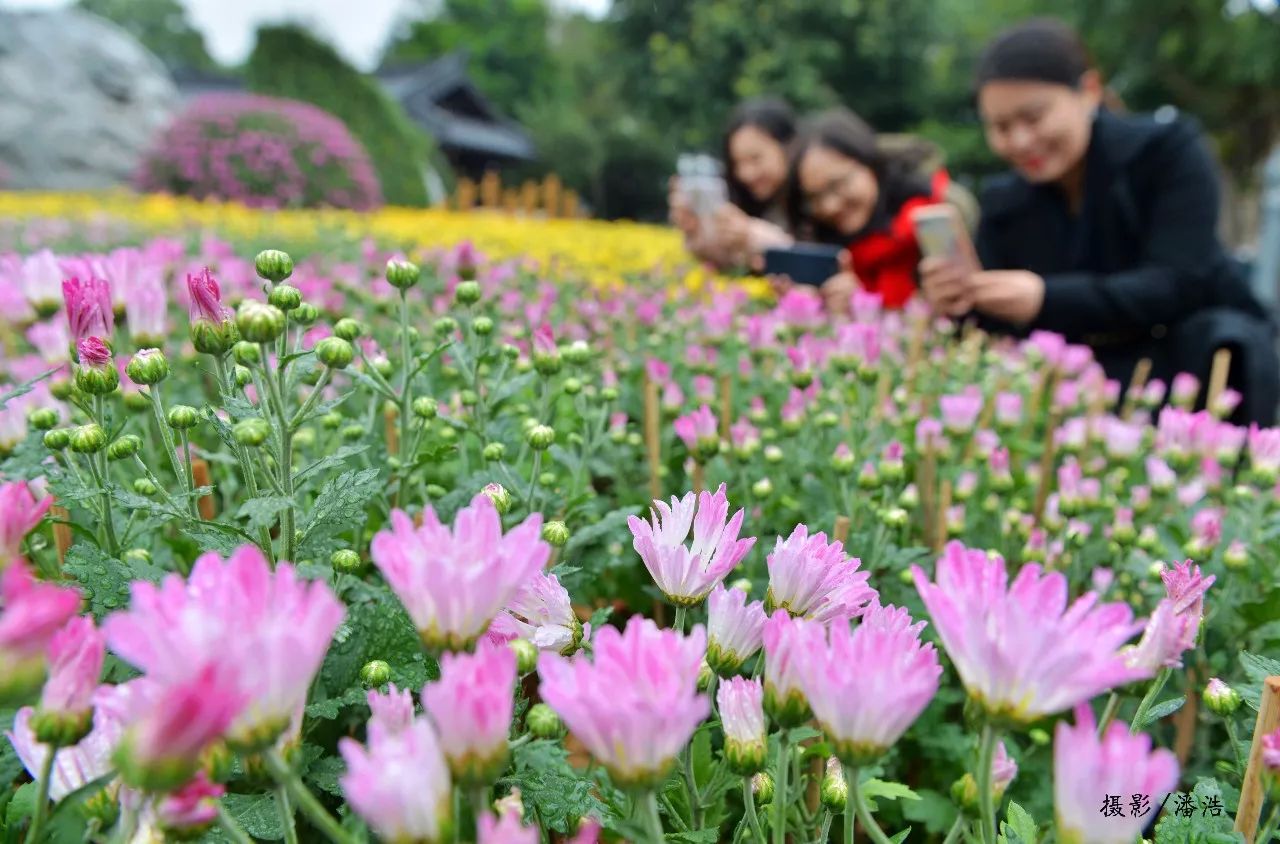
x=838 y=191
x=1040 y=128
x=759 y=161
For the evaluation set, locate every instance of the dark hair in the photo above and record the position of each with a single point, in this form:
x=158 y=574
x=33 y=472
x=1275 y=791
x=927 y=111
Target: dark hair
x=770 y=115
x=897 y=171
x=1036 y=50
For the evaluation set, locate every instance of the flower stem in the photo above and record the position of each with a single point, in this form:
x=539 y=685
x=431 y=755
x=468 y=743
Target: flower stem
x=286 y=816
x=42 y=796
x=1109 y=713
x=691 y=785
x=749 y=806
x=232 y=827
x=957 y=830
x=1235 y=743
x=780 y=791
x=678 y=624
x=1157 y=685
x=190 y=475
x=859 y=802
x=986 y=800
x=1269 y=828
x=100 y=479
x=307 y=802
x=153 y=393
x=651 y=817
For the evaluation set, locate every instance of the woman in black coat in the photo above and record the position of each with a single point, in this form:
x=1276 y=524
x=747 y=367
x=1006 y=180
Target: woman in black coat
x=1105 y=231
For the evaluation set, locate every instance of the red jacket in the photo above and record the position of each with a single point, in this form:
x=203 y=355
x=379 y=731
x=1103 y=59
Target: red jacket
x=885 y=261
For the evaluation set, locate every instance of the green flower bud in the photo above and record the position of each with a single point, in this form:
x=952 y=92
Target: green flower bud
x=332 y=420
x=259 y=322
x=468 y=398
x=148 y=367
x=436 y=491
x=448 y=434
x=43 y=418
x=1038 y=736
x=402 y=274
x=273 y=265
x=543 y=722
x=467 y=292
x=835 y=791
x=61 y=729
x=144 y=486
x=136 y=402
x=547 y=479
x=97 y=380
x=609 y=394
x=494 y=452
x=88 y=439
x=124 y=447
x=762 y=788
x=964 y=793
x=773 y=454
x=383 y=366
x=577 y=353
x=334 y=352
x=137 y=555
x=304 y=438
x=182 y=417
x=425 y=407
x=348 y=329
x=510 y=352
x=444 y=327
x=375 y=673
x=61 y=389
x=352 y=432
x=555 y=533
x=1236 y=556
x=57 y=439
x=894 y=517
x=246 y=354
x=213 y=338
x=346 y=561
x=540 y=437
x=905 y=576
x=526 y=655
x=498 y=494
x=571 y=386
x=306 y=314
x=482 y=326
x=285 y=297
x=1220 y=698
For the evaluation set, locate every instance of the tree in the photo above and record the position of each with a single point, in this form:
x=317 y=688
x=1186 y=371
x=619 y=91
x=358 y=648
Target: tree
x=162 y=26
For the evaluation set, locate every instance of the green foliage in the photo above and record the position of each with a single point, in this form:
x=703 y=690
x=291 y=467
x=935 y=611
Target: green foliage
x=162 y=26
x=289 y=62
x=105 y=580
x=1200 y=825
x=257 y=813
x=550 y=788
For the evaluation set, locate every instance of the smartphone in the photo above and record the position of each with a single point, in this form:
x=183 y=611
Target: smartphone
x=941 y=233
x=804 y=263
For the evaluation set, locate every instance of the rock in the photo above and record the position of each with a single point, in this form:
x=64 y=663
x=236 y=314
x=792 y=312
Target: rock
x=80 y=100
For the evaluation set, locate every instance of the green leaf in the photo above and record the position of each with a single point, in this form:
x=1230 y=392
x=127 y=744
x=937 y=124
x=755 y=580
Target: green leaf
x=1258 y=668
x=24 y=388
x=1182 y=822
x=105 y=579
x=600 y=617
x=323 y=774
x=874 y=789
x=377 y=628
x=609 y=525
x=936 y=812
x=22 y=805
x=1256 y=613
x=222 y=429
x=262 y=511
x=214 y=536
x=1018 y=827
x=702 y=836
x=339 y=506
x=1161 y=710
x=257 y=813
x=900 y=837
x=331 y=708
x=551 y=787
x=329 y=461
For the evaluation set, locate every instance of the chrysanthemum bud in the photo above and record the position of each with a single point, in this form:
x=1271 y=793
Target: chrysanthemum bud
x=909 y=497
x=541 y=437
x=286 y=297
x=402 y=274
x=1236 y=556
x=136 y=401
x=182 y=417
x=88 y=439
x=124 y=447
x=467 y=292
x=762 y=788
x=43 y=418
x=348 y=329
x=843 y=460
x=273 y=265
x=964 y=793
x=526 y=655
x=482 y=326
x=835 y=791
x=444 y=327
x=375 y=672
x=147 y=367
x=577 y=353
x=144 y=486
x=762 y=488
x=555 y=533
x=57 y=439
x=773 y=454
x=1220 y=698
x=1038 y=736
x=868 y=478
x=346 y=561
x=306 y=314
x=259 y=322
x=894 y=517
x=334 y=352
x=543 y=722
x=383 y=366
x=137 y=555
x=498 y=494
x=571 y=386
x=494 y=452
x=61 y=389
x=97 y=374
x=61 y=728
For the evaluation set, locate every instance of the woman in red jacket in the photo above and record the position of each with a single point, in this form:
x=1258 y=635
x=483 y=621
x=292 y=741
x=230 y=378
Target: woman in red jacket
x=846 y=189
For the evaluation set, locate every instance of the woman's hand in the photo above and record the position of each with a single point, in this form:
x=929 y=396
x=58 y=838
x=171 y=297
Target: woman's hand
x=678 y=211
x=1014 y=296
x=947 y=285
x=839 y=289
x=780 y=285
x=733 y=231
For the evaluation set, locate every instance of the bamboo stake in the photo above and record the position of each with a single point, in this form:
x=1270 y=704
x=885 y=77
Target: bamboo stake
x=1139 y=380
x=1184 y=721
x=940 y=521
x=1251 y=795
x=699 y=477
x=391 y=428
x=840 y=530
x=653 y=445
x=726 y=404
x=61 y=532
x=1218 y=376
x=1047 y=457
x=200 y=473
x=926 y=486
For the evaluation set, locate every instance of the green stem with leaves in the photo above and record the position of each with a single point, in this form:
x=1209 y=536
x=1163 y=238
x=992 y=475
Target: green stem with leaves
x=652 y=820
x=957 y=830
x=749 y=807
x=190 y=474
x=289 y=781
x=858 y=801
x=41 y=810
x=780 y=801
x=171 y=452
x=232 y=827
x=286 y=816
x=678 y=624
x=986 y=796
x=1109 y=713
x=284 y=458
x=1157 y=685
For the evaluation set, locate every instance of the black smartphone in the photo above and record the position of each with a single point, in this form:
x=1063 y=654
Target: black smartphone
x=804 y=263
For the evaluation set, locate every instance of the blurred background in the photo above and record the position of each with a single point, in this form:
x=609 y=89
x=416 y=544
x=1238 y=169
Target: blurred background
x=593 y=99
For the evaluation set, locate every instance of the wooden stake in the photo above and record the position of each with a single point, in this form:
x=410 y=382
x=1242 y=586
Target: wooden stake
x=1218 y=376
x=915 y=352
x=200 y=473
x=726 y=404
x=840 y=530
x=391 y=428
x=940 y=522
x=1139 y=380
x=1046 y=464
x=1251 y=795
x=61 y=532
x=1184 y=721
x=699 y=478
x=926 y=486
x=653 y=444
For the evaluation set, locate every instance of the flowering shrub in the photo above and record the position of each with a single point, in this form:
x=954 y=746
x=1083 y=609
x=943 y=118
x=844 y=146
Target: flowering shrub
x=263 y=152
x=483 y=551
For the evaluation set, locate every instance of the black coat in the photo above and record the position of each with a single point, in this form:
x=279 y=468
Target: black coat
x=1140 y=271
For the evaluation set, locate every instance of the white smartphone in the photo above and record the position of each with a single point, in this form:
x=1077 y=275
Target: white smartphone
x=941 y=233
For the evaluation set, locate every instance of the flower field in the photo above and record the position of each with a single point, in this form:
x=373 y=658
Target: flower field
x=419 y=526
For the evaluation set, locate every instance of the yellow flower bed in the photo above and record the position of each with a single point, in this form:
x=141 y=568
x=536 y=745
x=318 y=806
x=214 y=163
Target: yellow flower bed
x=607 y=253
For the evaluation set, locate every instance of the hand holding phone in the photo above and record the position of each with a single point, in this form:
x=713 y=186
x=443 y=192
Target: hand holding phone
x=941 y=234
x=803 y=263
